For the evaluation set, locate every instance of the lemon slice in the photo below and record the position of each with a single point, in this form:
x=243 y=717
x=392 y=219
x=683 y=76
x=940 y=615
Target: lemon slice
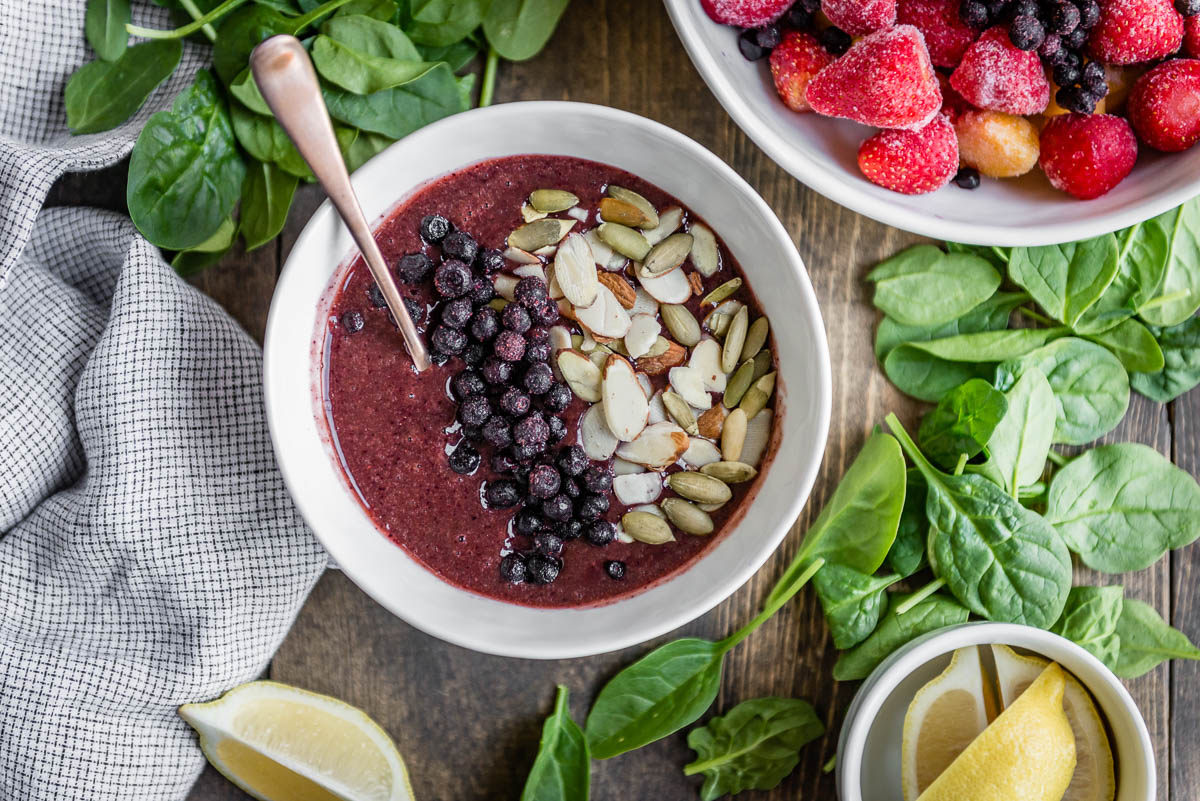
x=1094 y=778
x=944 y=717
x=1026 y=754
x=281 y=743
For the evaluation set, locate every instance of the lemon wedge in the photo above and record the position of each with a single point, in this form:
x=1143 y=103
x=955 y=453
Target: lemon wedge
x=944 y=717
x=1026 y=754
x=1094 y=778
x=281 y=743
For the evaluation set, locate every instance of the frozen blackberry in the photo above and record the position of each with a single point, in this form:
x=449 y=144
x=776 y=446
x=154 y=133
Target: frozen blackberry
x=475 y=411
x=598 y=478
x=452 y=279
x=573 y=460
x=539 y=378
x=544 y=481
x=496 y=371
x=545 y=312
x=531 y=430
x=600 y=533
x=482 y=291
x=509 y=346
x=501 y=462
x=530 y=292
x=466 y=384
x=967 y=178
x=413 y=268
x=514 y=402
x=615 y=569
x=571 y=488
x=498 y=431
x=557 y=508
x=457 y=313
x=512 y=568
x=474 y=354
x=538 y=352
x=541 y=569
x=557 y=398
x=460 y=245
x=835 y=40
x=592 y=507
x=515 y=318
x=568 y=530
x=434 y=228
x=464 y=459
x=503 y=493
x=375 y=295
x=548 y=544
x=490 y=261
x=528 y=522
x=447 y=341
x=485 y=324
x=353 y=322
x=558 y=429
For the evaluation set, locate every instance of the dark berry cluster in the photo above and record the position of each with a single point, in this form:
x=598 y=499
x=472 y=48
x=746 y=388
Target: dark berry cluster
x=757 y=43
x=1058 y=31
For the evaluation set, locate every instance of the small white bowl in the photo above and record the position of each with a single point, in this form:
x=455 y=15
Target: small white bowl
x=822 y=152
x=672 y=162
x=868 y=763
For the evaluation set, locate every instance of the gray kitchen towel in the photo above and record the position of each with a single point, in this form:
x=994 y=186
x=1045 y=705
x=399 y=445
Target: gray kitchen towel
x=149 y=553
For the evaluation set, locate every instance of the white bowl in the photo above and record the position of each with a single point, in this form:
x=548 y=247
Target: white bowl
x=868 y=763
x=822 y=152
x=679 y=166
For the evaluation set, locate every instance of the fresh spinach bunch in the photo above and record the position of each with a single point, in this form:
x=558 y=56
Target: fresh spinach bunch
x=217 y=163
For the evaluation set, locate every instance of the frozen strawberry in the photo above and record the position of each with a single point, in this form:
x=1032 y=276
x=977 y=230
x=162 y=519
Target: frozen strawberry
x=1191 y=36
x=885 y=79
x=999 y=145
x=994 y=74
x=946 y=35
x=1164 y=105
x=745 y=13
x=1133 y=31
x=793 y=64
x=1086 y=155
x=911 y=162
x=857 y=17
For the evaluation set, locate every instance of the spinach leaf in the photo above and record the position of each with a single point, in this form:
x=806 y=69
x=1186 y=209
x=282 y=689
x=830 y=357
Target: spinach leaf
x=372 y=37
x=457 y=55
x=360 y=73
x=1120 y=507
x=1018 y=448
x=935 y=612
x=1147 y=640
x=207 y=253
x=185 y=173
x=1134 y=345
x=245 y=90
x=444 y=22
x=996 y=255
x=101 y=94
x=266 y=197
x=364 y=146
x=519 y=29
x=241 y=32
x=383 y=10
x=989 y=346
x=659 y=694
x=991 y=315
x=962 y=422
x=399 y=111
x=1066 y=279
x=924 y=376
x=924 y=286
x=1001 y=560
x=1139 y=270
x=1180 y=346
x=1091 y=388
x=754 y=746
x=264 y=139
x=852 y=601
x=1090 y=620
x=907 y=554
x=562 y=770
x=104 y=25
x=1181 y=266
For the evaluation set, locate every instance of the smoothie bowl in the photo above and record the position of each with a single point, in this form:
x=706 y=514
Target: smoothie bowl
x=630 y=393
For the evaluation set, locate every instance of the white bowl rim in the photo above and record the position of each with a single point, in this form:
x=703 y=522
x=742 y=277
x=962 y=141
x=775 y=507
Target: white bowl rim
x=899 y=665
x=325 y=216
x=832 y=186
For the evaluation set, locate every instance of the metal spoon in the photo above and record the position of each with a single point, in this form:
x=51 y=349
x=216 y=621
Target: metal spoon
x=285 y=77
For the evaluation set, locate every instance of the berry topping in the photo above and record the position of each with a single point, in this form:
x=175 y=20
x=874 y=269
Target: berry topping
x=434 y=228
x=485 y=324
x=415 y=310
x=994 y=74
x=592 y=507
x=509 y=346
x=466 y=384
x=570 y=487
x=352 y=321
x=857 y=17
x=541 y=569
x=1133 y=31
x=460 y=245
x=413 y=268
x=474 y=410
x=456 y=313
x=474 y=354
x=573 y=460
x=749 y=47
x=545 y=312
x=528 y=522
x=911 y=162
x=498 y=432
x=538 y=352
x=501 y=462
x=544 y=481
x=496 y=371
x=600 y=532
x=558 y=429
x=490 y=261
x=885 y=80
x=464 y=459
x=482 y=291
x=515 y=318
x=1164 y=105
x=530 y=292
x=375 y=295
x=557 y=398
x=946 y=35
x=531 y=431
x=1087 y=155
x=598 y=478
x=793 y=64
x=512 y=568
x=514 y=402
x=447 y=341
x=452 y=279
x=615 y=569
x=967 y=178
x=999 y=145
x=539 y=378
x=503 y=493
x=745 y=13
x=569 y=530
x=548 y=544
x=557 y=508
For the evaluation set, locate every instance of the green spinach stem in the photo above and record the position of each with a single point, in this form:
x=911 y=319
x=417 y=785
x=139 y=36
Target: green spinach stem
x=1001 y=254
x=303 y=21
x=1057 y=458
x=772 y=606
x=962 y=464
x=1162 y=300
x=187 y=30
x=920 y=595
x=489 y=77
x=1031 y=314
x=194 y=12
x=830 y=765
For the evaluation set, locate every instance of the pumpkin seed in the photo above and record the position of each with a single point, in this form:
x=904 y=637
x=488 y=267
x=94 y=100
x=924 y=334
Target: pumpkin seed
x=733 y=435
x=667 y=255
x=705 y=256
x=721 y=292
x=709 y=507
x=737 y=385
x=735 y=339
x=660 y=346
x=498 y=304
x=550 y=201
x=680 y=412
x=530 y=214
x=687 y=517
x=762 y=364
x=633 y=198
x=755 y=399
x=719 y=318
x=647 y=527
x=729 y=472
x=756 y=337
x=540 y=233
x=620 y=211
x=624 y=240
x=681 y=323
x=699 y=487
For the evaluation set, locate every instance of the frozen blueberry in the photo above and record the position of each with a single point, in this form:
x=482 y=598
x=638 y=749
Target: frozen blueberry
x=503 y=493
x=485 y=324
x=1050 y=49
x=460 y=245
x=1075 y=39
x=375 y=295
x=437 y=358
x=1094 y=78
x=598 y=478
x=557 y=507
x=592 y=507
x=457 y=312
x=558 y=429
x=515 y=318
x=767 y=36
x=514 y=402
x=615 y=569
x=447 y=341
x=509 y=346
x=496 y=371
x=475 y=411
x=482 y=291
x=539 y=378
x=600 y=532
x=557 y=398
x=352 y=321
x=798 y=17
x=501 y=462
x=1063 y=18
x=569 y=530
x=541 y=569
x=512 y=568
x=531 y=430
x=528 y=522
x=472 y=433
x=749 y=47
x=474 y=354
x=530 y=292
x=498 y=431
x=434 y=228
x=548 y=544
x=413 y=268
x=544 y=481
x=1074 y=98
x=490 y=261
x=452 y=279
x=573 y=460
x=835 y=40
x=571 y=487
x=525 y=454
x=538 y=352
x=415 y=310
x=545 y=312
x=974 y=13
x=1065 y=73
x=466 y=384
x=1026 y=32
x=1089 y=11
x=967 y=178
x=464 y=459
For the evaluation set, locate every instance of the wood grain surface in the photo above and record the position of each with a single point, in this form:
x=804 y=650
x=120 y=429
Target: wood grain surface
x=468 y=724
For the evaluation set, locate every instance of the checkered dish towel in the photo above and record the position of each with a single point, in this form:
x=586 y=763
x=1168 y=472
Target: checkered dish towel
x=149 y=553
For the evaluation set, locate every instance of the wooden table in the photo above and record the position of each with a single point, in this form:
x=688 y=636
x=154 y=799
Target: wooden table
x=468 y=724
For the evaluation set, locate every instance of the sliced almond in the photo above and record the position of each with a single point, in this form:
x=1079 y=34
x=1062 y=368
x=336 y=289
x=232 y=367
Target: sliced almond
x=647 y=384
x=680 y=412
x=625 y=403
x=530 y=214
x=624 y=240
x=521 y=256
x=625 y=294
x=565 y=308
x=540 y=234
x=643 y=333
x=552 y=288
x=647 y=528
x=658 y=446
x=688 y=383
x=672 y=287
x=581 y=374
x=758 y=435
x=629 y=196
x=530 y=271
x=697 y=283
x=729 y=472
x=578 y=213
x=597 y=441
x=623 y=212
x=658 y=412
x=666 y=256
x=711 y=422
x=587 y=342
x=643 y=303
x=687 y=517
x=673 y=356
x=706 y=358
x=733 y=436
x=669 y=221
x=681 y=323
x=600 y=250
x=575 y=271
x=701 y=453
x=547 y=251
x=722 y=292
x=551 y=201
x=606 y=317
x=756 y=338
x=637 y=488
x=505 y=285
x=599 y=357
x=735 y=338
x=705 y=256
x=660 y=346
x=622 y=467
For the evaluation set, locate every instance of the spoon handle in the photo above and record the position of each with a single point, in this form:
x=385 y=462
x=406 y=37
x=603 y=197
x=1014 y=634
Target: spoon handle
x=285 y=77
